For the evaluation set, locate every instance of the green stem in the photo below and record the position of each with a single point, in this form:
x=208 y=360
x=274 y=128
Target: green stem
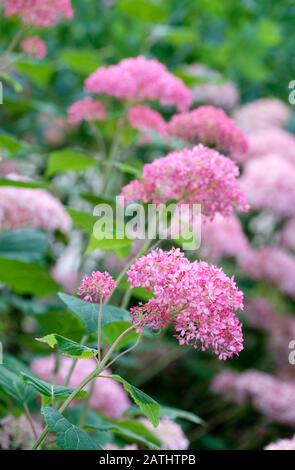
x=84 y=382
x=99 y=328
x=112 y=155
x=13 y=44
x=73 y=365
x=30 y=419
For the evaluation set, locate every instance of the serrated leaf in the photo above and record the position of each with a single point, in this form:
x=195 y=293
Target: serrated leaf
x=174 y=413
x=48 y=390
x=149 y=407
x=26 y=278
x=11 y=384
x=24 y=245
x=68 y=347
x=69 y=437
x=88 y=312
x=68 y=160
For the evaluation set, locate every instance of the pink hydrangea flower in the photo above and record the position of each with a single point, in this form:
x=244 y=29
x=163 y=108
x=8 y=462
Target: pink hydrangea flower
x=269 y=183
x=96 y=286
x=31 y=208
x=262 y=114
x=140 y=79
x=169 y=433
x=147 y=121
x=282 y=444
x=34 y=47
x=212 y=127
x=288 y=234
x=198 y=299
x=39 y=13
x=270 y=395
x=86 y=109
x=108 y=396
x=223 y=237
x=190 y=176
x=16 y=432
x=272 y=264
x=272 y=140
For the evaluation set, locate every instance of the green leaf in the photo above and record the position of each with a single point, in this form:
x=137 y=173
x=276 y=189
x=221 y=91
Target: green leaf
x=107 y=244
x=24 y=245
x=88 y=312
x=174 y=413
x=148 y=406
x=129 y=169
x=12 y=145
x=113 y=330
x=69 y=437
x=82 y=220
x=11 y=384
x=26 y=278
x=39 y=73
x=68 y=347
x=150 y=11
x=48 y=390
x=22 y=184
x=68 y=160
x=83 y=61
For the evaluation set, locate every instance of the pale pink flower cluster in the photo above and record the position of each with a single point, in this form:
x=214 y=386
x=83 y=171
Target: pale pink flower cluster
x=212 y=127
x=147 y=121
x=86 y=109
x=198 y=299
x=96 y=286
x=223 y=237
x=40 y=13
x=169 y=433
x=224 y=95
x=34 y=47
x=16 y=433
x=190 y=176
x=272 y=264
x=108 y=396
x=31 y=208
x=140 y=79
x=282 y=444
x=269 y=183
x=272 y=140
x=262 y=114
x=270 y=395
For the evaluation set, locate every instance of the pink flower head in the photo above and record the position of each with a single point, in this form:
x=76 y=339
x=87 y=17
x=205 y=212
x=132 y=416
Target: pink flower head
x=31 y=208
x=34 y=47
x=270 y=141
x=169 y=433
x=269 y=183
x=96 y=286
x=270 y=395
x=198 y=299
x=263 y=113
x=140 y=79
x=108 y=396
x=282 y=444
x=86 y=109
x=147 y=121
x=190 y=176
x=39 y=13
x=212 y=127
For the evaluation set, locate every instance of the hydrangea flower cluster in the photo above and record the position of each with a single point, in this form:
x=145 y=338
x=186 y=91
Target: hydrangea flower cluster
x=288 y=234
x=270 y=395
x=169 y=433
x=34 y=47
x=96 y=286
x=108 y=396
x=282 y=444
x=272 y=264
x=269 y=183
x=263 y=113
x=140 y=79
x=41 y=14
x=147 y=121
x=16 y=433
x=272 y=140
x=86 y=109
x=31 y=208
x=223 y=237
x=198 y=299
x=212 y=127
x=190 y=176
